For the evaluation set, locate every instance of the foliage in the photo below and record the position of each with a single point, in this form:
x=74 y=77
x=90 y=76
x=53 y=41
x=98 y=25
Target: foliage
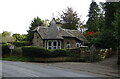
x=89 y=33
x=21 y=43
x=5 y=49
x=17 y=52
x=5 y=33
x=70 y=19
x=108 y=38
x=107 y=25
x=93 y=20
x=94 y=38
x=23 y=59
x=116 y=23
x=76 y=52
x=5 y=37
x=31 y=51
x=19 y=37
x=8 y=39
x=35 y=23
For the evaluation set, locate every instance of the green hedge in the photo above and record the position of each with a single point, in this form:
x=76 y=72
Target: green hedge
x=32 y=51
x=21 y=43
x=17 y=52
x=5 y=49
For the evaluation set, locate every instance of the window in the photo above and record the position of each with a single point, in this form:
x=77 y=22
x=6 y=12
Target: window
x=49 y=46
x=54 y=44
x=59 y=45
x=68 y=44
x=77 y=44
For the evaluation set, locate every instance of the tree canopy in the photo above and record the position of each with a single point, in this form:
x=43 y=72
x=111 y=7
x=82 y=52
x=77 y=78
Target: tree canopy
x=69 y=19
x=34 y=23
x=93 y=17
x=19 y=37
x=6 y=37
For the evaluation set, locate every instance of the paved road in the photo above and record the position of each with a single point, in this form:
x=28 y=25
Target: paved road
x=26 y=69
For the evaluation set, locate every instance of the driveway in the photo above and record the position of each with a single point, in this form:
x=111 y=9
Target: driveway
x=106 y=67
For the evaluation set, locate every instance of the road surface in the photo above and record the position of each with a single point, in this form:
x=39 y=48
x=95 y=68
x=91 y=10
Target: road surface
x=27 y=69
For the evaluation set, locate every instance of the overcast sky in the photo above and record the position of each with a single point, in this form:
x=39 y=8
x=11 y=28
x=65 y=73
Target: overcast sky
x=16 y=15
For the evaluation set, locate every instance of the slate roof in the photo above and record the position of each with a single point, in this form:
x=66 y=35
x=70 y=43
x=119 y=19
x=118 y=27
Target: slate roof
x=56 y=32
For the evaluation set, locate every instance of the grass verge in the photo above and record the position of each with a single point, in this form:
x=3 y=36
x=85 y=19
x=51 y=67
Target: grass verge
x=23 y=59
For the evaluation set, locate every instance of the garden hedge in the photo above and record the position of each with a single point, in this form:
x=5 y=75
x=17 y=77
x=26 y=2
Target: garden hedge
x=21 y=43
x=33 y=51
x=5 y=49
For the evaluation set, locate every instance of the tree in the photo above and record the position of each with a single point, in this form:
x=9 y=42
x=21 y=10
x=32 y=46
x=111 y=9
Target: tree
x=108 y=34
x=19 y=37
x=35 y=23
x=101 y=17
x=6 y=37
x=110 y=10
x=117 y=24
x=5 y=33
x=69 y=19
x=117 y=29
x=93 y=21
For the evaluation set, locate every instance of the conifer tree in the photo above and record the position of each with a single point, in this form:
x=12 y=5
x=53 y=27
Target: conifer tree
x=93 y=17
x=35 y=23
x=70 y=19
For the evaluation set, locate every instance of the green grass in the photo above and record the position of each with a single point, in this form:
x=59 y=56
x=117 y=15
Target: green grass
x=23 y=59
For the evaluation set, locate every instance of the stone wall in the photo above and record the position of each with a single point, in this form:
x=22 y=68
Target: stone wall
x=37 y=40
x=72 y=42
x=58 y=59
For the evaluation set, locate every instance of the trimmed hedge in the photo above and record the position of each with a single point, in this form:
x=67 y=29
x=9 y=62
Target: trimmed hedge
x=5 y=49
x=17 y=52
x=21 y=43
x=33 y=51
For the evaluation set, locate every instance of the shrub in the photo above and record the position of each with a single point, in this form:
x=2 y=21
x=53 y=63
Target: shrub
x=17 y=52
x=32 y=51
x=21 y=43
x=59 y=53
x=5 y=49
x=74 y=52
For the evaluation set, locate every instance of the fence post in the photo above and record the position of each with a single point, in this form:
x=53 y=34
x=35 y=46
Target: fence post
x=92 y=51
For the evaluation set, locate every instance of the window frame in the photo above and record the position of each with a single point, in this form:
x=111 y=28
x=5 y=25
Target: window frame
x=68 y=44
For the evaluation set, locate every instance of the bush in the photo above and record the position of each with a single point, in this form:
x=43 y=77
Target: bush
x=32 y=51
x=17 y=52
x=5 y=49
x=74 y=52
x=59 y=53
x=21 y=43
